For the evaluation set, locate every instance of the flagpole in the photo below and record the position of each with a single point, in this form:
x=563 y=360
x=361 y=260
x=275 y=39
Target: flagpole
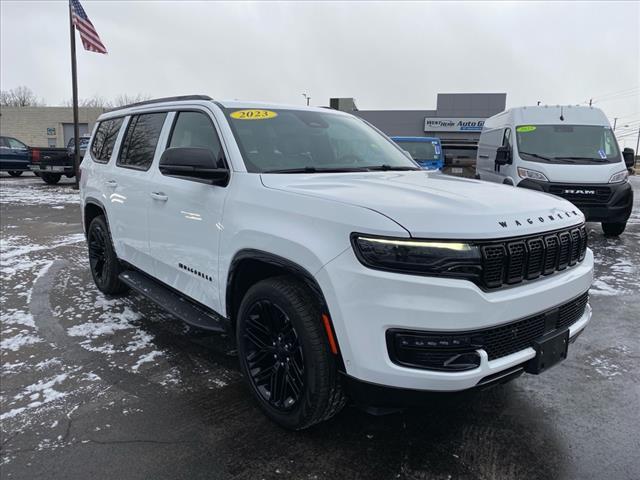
x=74 y=82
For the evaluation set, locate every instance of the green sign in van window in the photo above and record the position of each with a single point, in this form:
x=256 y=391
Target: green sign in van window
x=525 y=128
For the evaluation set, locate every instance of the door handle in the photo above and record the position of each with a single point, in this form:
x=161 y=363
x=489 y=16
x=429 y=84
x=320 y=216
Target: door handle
x=111 y=183
x=159 y=196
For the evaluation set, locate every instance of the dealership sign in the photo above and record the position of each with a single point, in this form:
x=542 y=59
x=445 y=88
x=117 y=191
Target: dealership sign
x=435 y=124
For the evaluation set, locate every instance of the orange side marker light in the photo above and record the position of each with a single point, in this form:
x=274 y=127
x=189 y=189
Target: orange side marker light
x=332 y=341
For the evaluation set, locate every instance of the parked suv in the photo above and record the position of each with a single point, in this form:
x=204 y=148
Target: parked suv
x=341 y=267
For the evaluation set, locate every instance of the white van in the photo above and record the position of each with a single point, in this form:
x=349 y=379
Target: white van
x=569 y=151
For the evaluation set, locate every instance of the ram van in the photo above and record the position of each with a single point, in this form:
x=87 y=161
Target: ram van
x=567 y=151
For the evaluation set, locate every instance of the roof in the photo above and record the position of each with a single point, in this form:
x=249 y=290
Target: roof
x=204 y=99
x=549 y=115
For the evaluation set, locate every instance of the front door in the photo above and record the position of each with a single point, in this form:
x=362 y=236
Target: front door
x=185 y=216
x=127 y=187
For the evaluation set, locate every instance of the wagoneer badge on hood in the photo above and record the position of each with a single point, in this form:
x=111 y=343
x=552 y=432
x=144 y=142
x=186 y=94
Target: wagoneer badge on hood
x=541 y=219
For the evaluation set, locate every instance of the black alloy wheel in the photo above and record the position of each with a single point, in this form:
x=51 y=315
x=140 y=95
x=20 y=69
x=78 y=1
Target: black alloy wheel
x=98 y=259
x=103 y=261
x=274 y=356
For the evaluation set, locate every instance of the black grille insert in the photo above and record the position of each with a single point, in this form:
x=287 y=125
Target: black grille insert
x=512 y=261
x=421 y=349
x=582 y=194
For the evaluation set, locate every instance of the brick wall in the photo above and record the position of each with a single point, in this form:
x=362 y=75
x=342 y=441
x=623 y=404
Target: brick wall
x=36 y=125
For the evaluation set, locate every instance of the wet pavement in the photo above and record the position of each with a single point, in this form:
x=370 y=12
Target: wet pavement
x=96 y=387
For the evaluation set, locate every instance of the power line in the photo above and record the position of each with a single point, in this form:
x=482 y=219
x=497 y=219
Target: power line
x=613 y=94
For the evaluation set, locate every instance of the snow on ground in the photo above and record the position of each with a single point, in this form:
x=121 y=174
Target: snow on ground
x=34 y=191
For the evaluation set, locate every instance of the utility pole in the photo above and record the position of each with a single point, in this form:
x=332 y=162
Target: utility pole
x=615 y=120
x=74 y=83
x=637 y=145
x=307 y=97
x=590 y=101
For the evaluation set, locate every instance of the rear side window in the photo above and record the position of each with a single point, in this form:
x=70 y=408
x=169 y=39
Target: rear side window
x=105 y=139
x=140 y=141
x=195 y=129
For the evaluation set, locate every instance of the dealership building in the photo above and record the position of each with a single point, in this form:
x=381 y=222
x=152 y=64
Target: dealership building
x=457 y=121
x=45 y=126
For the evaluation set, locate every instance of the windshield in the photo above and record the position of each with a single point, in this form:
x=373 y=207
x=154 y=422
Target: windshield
x=567 y=144
x=301 y=140
x=421 y=150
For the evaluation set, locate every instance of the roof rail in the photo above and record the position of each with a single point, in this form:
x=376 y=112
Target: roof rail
x=164 y=99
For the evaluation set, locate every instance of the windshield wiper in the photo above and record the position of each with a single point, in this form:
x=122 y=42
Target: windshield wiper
x=542 y=157
x=599 y=160
x=310 y=169
x=386 y=167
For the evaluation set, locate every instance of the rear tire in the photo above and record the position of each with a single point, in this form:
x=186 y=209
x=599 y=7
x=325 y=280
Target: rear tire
x=285 y=355
x=15 y=173
x=613 y=229
x=103 y=261
x=50 y=178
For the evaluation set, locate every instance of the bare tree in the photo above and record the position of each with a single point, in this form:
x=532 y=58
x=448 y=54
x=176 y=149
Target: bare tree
x=19 y=97
x=124 y=99
x=96 y=101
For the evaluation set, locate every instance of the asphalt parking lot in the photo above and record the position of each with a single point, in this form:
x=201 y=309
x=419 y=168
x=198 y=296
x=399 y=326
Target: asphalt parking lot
x=96 y=387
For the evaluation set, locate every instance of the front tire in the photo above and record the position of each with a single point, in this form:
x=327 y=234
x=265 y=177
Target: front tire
x=50 y=178
x=103 y=261
x=613 y=229
x=285 y=355
x=15 y=173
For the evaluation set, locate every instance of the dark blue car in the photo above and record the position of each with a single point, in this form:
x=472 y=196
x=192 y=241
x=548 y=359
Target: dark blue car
x=426 y=151
x=15 y=156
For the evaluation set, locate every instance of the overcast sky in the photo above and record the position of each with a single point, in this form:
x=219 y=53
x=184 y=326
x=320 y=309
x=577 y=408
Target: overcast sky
x=388 y=55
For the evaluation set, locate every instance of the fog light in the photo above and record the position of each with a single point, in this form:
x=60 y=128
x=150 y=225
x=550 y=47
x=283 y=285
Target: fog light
x=434 y=352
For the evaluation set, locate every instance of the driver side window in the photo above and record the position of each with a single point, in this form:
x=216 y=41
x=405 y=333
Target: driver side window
x=15 y=144
x=195 y=129
x=506 y=139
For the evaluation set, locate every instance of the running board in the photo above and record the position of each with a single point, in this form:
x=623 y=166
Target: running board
x=183 y=308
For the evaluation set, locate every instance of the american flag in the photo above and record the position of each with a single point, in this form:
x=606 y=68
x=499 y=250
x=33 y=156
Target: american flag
x=90 y=38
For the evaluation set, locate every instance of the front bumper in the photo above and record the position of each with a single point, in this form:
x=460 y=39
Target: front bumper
x=364 y=304
x=610 y=202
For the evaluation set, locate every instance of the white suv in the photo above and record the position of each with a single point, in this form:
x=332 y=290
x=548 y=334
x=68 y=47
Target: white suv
x=340 y=265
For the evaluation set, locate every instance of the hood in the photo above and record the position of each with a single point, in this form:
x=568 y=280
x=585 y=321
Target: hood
x=434 y=205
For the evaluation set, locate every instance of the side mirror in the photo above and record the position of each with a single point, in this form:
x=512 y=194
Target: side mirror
x=503 y=155
x=629 y=157
x=191 y=163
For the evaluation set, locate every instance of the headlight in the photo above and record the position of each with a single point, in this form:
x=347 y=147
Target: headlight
x=619 y=177
x=532 y=174
x=421 y=257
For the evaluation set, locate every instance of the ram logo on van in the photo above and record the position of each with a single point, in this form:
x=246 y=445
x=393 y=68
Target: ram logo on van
x=570 y=191
x=541 y=219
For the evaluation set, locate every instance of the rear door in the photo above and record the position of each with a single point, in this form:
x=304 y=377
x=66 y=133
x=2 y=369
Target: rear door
x=185 y=216
x=127 y=187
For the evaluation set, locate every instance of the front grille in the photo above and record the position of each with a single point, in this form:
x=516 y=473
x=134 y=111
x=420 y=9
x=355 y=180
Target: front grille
x=430 y=349
x=582 y=195
x=572 y=311
x=510 y=262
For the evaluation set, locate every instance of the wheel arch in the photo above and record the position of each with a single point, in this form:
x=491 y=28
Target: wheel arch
x=250 y=266
x=92 y=209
